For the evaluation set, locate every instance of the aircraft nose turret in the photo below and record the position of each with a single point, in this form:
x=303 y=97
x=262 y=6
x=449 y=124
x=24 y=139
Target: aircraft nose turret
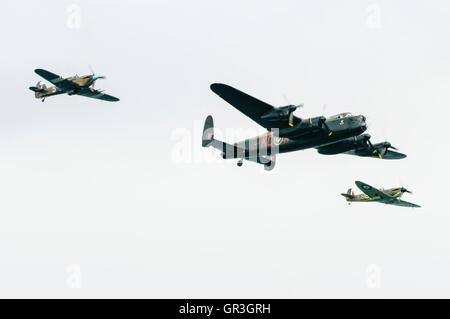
x=362 y=122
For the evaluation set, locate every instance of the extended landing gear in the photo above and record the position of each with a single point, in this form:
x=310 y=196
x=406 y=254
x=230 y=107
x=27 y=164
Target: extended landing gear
x=240 y=162
x=43 y=100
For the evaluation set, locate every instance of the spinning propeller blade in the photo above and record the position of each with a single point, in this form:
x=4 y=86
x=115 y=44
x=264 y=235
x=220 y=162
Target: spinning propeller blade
x=291 y=118
x=404 y=190
x=374 y=150
x=381 y=149
x=292 y=109
x=323 y=123
x=328 y=128
x=95 y=77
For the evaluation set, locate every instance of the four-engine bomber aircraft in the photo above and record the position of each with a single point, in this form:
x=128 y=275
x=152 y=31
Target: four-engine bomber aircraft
x=80 y=85
x=287 y=133
x=386 y=196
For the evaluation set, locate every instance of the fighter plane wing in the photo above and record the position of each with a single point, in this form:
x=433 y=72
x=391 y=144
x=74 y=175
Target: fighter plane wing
x=403 y=203
x=372 y=192
x=97 y=95
x=56 y=80
x=247 y=104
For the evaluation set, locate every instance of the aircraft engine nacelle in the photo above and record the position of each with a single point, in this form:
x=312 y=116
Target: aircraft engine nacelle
x=312 y=125
x=283 y=113
x=346 y=145
x=279 y=113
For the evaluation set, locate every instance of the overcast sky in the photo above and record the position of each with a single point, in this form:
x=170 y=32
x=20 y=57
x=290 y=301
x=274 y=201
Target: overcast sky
x=103 y=199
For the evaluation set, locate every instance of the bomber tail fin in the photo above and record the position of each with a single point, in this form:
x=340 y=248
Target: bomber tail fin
x=228 y=150
x=234 y=151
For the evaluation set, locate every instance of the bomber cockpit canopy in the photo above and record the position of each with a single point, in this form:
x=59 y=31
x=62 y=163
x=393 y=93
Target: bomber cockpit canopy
x=341 y=115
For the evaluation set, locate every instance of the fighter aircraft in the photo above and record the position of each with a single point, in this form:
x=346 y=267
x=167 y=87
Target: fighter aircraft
x=287 y=133
x=386 y=196
x=80 y=85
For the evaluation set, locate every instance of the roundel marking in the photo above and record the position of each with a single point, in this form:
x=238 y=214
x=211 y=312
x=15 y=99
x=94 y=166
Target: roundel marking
x=278 y=140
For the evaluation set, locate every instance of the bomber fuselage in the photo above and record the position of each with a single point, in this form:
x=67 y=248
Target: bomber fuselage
x=340 y=126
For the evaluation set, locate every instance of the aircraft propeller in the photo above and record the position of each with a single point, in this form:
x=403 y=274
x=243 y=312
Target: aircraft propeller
x=381 y=148
x=95 y=77
x=291 y=109
x=385 y=147
x=322 y=123
x=404 y=190
x=374 y=150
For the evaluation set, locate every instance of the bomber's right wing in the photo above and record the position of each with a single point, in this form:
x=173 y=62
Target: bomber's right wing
x=247 y=104
x=393 y=155
x=389 y=154
x=373 y=192
x=58 y=81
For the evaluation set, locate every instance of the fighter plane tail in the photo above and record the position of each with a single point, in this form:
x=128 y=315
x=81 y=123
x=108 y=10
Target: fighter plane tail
x=41 y=86
x=208 y=132
x=348 y=195
x=39 y=89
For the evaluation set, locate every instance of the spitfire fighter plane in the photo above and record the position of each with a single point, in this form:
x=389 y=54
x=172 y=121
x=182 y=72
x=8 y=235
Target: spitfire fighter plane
x=79 y=85
x=386 y=196
x=337 y=134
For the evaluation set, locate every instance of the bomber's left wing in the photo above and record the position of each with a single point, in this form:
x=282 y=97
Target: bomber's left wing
x=403 y=203
x=373 y=192
x=250 y=106
x=97 y=95
x=56 y=80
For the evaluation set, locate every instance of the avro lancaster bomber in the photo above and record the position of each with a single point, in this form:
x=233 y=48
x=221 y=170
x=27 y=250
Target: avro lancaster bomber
x=337 y=134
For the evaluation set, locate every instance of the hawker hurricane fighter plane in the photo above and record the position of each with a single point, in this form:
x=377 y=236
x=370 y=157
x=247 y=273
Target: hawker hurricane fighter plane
x=79 y=85
x=287 y=133
x=386 y=196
